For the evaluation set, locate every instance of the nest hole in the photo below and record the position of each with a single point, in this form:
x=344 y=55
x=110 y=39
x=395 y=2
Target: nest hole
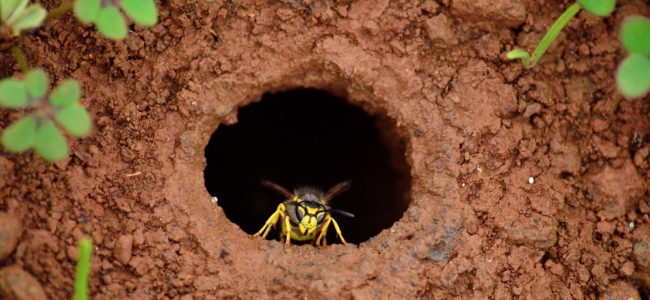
x=308 y=137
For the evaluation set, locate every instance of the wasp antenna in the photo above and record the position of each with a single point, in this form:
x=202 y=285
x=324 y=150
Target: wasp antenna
x=276 y=187
x=337 y=189
x=342 y=212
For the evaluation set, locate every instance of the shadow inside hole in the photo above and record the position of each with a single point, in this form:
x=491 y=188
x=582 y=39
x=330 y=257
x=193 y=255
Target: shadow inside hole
x=311 y=138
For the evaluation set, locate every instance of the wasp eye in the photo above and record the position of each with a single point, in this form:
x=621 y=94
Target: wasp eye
x=320 y=216
x=300 y=212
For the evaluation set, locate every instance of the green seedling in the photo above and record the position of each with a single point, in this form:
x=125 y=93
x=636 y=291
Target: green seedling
x=599 y=8
x=82 y=272
x=633 y=75
x=38 y=130
x=107 y=17
x=19 y=15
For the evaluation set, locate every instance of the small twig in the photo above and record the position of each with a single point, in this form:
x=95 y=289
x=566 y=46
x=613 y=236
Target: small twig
x=20 y=58
x=61 y=9
x=81 y=156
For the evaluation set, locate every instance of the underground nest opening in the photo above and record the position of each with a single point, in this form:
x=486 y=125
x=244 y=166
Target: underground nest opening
x=312 y=138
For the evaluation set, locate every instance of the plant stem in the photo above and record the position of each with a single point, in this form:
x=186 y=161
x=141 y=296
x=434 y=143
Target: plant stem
x=20 y=59
x=83 y=269
x=61 y=9
x=553 y=32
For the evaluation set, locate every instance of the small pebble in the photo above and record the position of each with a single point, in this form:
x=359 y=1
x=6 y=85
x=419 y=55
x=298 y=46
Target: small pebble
x=531 y=180
x=532 y=109
x=123 y=248
x=17 y=284
x=10 y=232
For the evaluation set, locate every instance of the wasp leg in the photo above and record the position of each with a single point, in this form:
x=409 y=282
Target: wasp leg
x=338 y=231
x=322 y=235
x=272 y=220
x=287 y=226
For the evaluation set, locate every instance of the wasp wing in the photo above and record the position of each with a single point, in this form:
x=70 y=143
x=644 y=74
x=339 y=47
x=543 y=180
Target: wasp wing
x=337 y=189
x=277 y=188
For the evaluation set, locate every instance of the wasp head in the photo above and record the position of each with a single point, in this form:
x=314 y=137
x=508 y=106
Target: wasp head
x=310 y=215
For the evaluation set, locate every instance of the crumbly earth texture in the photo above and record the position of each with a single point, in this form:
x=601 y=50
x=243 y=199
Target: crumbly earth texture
x=479 y=130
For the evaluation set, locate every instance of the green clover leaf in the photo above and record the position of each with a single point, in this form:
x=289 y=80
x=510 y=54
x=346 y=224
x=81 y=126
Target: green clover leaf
x=65 y=94
x=36 y=83
x=12 y=93
x=32 y=17
x=633 y=75
x=49 y=143
x=12 y=9
x=109 y=20
x=143 y=12
x=111 y=23
x=75 y=119
x=635 y=35
x=86 y=10
x=39 y=130
x=7 y=8
x=601 y=8
x=19 y=136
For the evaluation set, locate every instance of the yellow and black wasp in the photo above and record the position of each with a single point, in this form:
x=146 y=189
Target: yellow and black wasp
x=305 y=214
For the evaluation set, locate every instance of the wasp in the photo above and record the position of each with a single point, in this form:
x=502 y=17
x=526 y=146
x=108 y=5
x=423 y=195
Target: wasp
x=305 y=214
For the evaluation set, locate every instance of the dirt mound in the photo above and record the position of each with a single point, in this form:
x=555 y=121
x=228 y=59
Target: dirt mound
x=504 y=182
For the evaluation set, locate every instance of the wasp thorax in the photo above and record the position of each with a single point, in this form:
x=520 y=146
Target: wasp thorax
x=309 y=194
x=310 y=197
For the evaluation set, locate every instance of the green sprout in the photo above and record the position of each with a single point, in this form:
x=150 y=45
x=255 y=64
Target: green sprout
x=601 y=8
x=108 y=19
x=38 y=129
x=633 y=75
x=82 y=271
x=17 y=15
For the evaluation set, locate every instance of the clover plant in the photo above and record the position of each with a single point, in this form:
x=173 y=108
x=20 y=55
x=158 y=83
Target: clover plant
x=107 y=17
x=18 y=15
x=599 y=8
x=82 y=272
x=633 y=75
x=37 y=129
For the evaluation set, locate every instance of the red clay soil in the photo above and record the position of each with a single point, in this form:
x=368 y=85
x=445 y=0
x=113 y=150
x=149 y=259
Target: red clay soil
x=477 y=129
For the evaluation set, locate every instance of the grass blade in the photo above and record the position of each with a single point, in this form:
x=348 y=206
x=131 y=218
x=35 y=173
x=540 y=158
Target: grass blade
x=553 y=32
x=520 y=54
x=82 y=273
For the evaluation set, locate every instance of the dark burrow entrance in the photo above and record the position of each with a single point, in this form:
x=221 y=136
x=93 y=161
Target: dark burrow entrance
x=309 y=137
